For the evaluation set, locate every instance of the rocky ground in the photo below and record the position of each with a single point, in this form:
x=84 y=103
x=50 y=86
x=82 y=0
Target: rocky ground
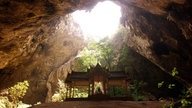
x=102 y=104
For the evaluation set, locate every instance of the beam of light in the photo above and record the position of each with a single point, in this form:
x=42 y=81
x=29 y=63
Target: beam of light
x=102 y=21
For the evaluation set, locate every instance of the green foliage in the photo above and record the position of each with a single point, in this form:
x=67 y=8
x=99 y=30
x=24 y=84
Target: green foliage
x=104 y=53
x=117 y=91
x=160 y=84
x=18 y=91
x=80 y=92
x=88 y=58
x=166 y=104
x=60 y=95
x=15 y=93
x=4 y=102
x=107 y=56
x=188 y=93
x=125 y=61
x=94 y=53
x=185 y=100
x=174 y=72
x=62 y=88
x=170 y=86
x=169 y=105
x=137 y=90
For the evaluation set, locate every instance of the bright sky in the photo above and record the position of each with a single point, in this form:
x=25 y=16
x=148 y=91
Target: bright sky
x=102 y=21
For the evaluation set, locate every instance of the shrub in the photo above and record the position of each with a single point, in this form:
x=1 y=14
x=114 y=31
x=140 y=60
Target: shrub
x=137 y=90
x=4 y=102
x=60 y=95
x=186 y=98
x=117 y=91
x=15 y=93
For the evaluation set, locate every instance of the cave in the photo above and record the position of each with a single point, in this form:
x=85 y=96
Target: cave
x=40 y=41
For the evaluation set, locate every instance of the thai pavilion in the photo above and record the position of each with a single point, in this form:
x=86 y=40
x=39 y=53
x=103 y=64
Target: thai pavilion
x=97 y=79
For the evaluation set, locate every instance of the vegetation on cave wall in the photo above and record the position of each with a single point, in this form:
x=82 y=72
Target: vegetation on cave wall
x=11 y=97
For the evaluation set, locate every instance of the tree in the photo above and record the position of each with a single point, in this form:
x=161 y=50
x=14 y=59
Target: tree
x=106 y=55
x=94 y=53
x=125 y=60
x=87 y=58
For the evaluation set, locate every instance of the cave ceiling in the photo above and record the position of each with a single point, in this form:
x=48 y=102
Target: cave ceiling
x=36 y=37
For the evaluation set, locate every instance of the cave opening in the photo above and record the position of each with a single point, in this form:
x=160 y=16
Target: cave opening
x=102 y=21
x=45 y=57
x=101 y=28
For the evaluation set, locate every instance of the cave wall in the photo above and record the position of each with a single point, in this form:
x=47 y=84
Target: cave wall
x=163 y=39
x=53 y=49
x=36 y=38
x=141 y=69
x=146 y=71
x=34 y=45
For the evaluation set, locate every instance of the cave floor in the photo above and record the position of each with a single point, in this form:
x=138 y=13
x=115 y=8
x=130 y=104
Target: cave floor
x=102 y=104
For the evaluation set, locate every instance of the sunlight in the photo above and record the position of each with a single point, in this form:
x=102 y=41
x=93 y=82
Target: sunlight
x=102 y=21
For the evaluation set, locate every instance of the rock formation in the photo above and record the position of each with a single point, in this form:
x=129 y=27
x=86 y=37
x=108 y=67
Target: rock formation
x=38 y=39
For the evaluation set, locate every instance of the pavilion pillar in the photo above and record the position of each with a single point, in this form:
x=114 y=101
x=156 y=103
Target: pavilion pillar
x=107 y=87
x=89 y=90
x=66 y=94
x=104 y=87
x=93 y=87
x=70 y=91
x=73 y=92
x=126 y=89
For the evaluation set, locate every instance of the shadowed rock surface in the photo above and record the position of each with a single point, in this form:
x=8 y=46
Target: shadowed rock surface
x=38 y=39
